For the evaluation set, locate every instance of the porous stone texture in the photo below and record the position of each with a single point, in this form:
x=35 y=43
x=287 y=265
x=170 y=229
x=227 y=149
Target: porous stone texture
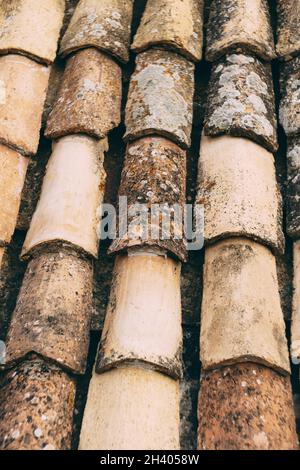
x=143 y=320
x=23 y=87
x=295 y=343
x=104 y=24
x=173 y=24
x=238 y=189
x=160 y=99
x=36 y=407
x=289 y=116
x=241 y=101
x=53 y=311
x=131 y=409
x=31 y=27
x=154 y=173
x=69 y=209
x=288 y=24
x=239 y=26
x=241 y=316
x=89 y=98
x=246 y=407
x=13 y=167
x=293 y=187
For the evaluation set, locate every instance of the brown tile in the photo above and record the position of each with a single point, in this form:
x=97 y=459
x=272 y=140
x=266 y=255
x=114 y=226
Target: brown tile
x=36 y=407
x=31 y=27
x=131 y=409
x=238 y=189
x=290 y=88
x=239 y=26
x=154 y=173
x=89 y=99
x=53 y=312
x=241 y=316
x=246 y=407
x=293 y=187
x=68 y=211
x=241 y=101
x=173 y=24
x=104 y=24
x=288 y=24
x=295 y=344
x=160 y=99
x=13 y=167
x=23 y=86
x=143 y=320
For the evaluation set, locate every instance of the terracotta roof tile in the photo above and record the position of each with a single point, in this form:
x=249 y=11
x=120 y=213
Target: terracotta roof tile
x=288 y=44
x=89 y=99
x=73 y=187
x=173 y=24
x=114 y=420
x=241 y=101
x=288 y=111
x=134 y=331
x=295 y=343
x=293 y=187
x=104 y=24
x=31 y=27
x=154 y=173
x=13 y=167
x=52 y=316
x=23 y=92
x=239 y=26
x=238 y=188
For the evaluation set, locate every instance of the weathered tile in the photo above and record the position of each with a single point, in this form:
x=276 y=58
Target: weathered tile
x=104 y=24
x=23 y=86
x=295 y=344
x=239 y=26
x=241 y=317
x=68 y=211
x=89 y=98
x=131 y=409
x=238 y=189
x=174 y=24
x=143 y=320
x=53 y=312
x=154 y=173
x=293 y=187
x=31 y=27
x=55 y=79
x=289 y=104
x=160 y=99
x=36 y=407
x=288 y=24
x=241 y=101
x=246 y=407
x=13 y=167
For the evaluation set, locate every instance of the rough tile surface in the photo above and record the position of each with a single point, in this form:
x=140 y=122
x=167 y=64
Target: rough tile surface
x=143 y=320
x=241 y=316
x=295 y=344
x=36 y=407
x=53 y=312
x=239 y=26
x=113 y=420
x=288 y=24
x=89 y=98
x=31 y=27
x=173 y=24
x=293 y=187
x=154 y=172
x=105 y=24
x=237 y=187
x=160 y=99
x=241 y=101
x=289 y=116
x=13 y=167
x=68 y=211
x=246 y=407
x=23 y=87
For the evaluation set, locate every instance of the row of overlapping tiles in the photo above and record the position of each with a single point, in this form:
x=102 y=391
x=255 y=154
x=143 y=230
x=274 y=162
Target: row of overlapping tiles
x=133 y=402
